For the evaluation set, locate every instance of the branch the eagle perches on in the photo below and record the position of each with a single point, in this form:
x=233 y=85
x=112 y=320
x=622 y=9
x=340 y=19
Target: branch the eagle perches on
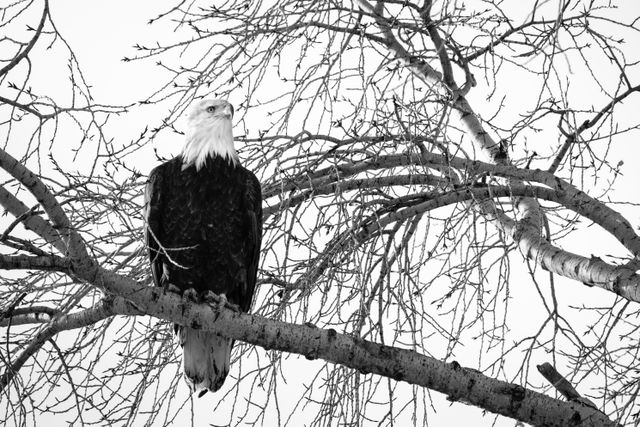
x=458 y=383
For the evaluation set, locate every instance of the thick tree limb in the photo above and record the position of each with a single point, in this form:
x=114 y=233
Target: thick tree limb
x=402 y=365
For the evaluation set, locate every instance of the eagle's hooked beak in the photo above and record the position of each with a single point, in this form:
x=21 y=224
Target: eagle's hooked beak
x=227 y=111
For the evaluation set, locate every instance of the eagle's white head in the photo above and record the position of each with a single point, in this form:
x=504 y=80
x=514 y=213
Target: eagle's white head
x=209 y=133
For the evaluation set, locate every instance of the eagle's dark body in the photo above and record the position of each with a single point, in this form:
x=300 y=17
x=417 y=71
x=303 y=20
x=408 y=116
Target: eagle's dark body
x=208 y=222
x=204 y=230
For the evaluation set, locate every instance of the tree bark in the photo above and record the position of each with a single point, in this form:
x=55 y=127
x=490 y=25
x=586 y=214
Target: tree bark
x=458 y=383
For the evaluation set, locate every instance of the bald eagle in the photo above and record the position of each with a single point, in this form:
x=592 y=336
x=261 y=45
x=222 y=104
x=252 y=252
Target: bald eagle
x=203 y=232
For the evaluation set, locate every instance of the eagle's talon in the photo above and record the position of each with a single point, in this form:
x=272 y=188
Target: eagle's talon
x=190 y=295
x=210 y=298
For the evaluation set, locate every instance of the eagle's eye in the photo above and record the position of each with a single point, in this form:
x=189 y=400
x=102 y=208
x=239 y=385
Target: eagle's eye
x=211 y=109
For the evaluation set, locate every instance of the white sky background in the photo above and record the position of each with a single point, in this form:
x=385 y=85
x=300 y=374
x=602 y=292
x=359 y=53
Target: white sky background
x=102 y=33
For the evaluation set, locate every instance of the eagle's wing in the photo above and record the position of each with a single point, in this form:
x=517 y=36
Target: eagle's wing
x=153 y=226
x=253 y=206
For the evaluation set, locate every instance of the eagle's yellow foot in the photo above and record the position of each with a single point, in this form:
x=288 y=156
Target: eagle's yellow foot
x=217 y=301
x=190 y=295
x=210 y=298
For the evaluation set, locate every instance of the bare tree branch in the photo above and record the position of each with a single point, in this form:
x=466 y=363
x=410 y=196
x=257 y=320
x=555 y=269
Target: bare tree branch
x=25 y=52
x=30 y=220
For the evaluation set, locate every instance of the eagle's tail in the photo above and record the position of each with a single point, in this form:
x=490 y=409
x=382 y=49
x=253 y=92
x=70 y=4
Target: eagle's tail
x=206 y=358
